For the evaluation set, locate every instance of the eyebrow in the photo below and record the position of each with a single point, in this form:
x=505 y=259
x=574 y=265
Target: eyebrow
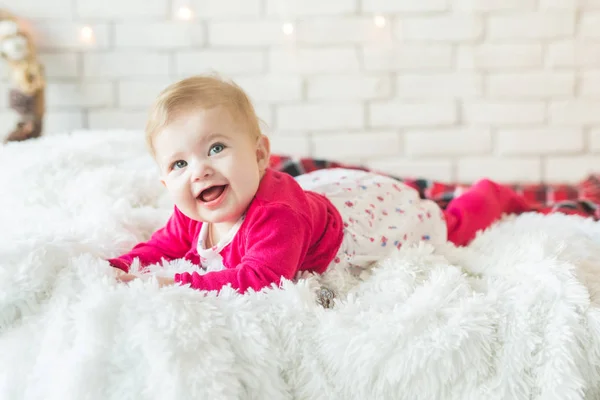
x=214 y=136
x=168 y=160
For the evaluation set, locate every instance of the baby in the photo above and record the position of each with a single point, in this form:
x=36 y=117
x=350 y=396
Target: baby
x=250 y=226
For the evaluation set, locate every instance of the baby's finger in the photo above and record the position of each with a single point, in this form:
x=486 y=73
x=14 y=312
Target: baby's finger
x=126 y=278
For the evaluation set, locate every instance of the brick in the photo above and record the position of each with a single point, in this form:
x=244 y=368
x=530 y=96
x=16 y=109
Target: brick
x=117 y=119
x=403 y=6
x=590 y=25
x=539 y=141
x=246 y=33
x=125 y=64
x=320 y=117
x=437 y=169
x=67 y=35
x=531 y=84
x=4 y=72
x=500 y=56
x=35 y=9
x=316 y=60
x=504 y=113
x=342 y=87
x=454 y=28
x=589 y=4
x=76 y=95
x=60 y=65
x=570 y=169
x=412 y=114
x=408 y=57
x=62 y=121
x=265 y=114
x=303 y=8
x=119 y=9
x=448 y=85
x=140 y=93
x=4 y=88
x=559 y=4
x=541 y=25
x=573 y=54
x=341 y=30
x=272 y=88
x=590 y=84
x=209 y=9
x=494 y=5
x=8 y=121
x=574 y=112
x=343 y=146
x=296 y=146
x=446 y=142
x=503 y=170
x=162 y=35
x=594 y=140
x=221 y=61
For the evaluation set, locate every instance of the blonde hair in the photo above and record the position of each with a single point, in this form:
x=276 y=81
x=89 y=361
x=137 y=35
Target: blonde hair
x=203 y=92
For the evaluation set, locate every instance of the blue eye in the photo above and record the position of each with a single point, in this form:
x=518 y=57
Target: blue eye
x=216 y=149
x=179 y=164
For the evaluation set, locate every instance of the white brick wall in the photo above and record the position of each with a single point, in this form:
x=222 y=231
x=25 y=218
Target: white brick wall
x=120 y=9
x=495 y=5
x=532 y=26
x=398 y=6
x=452 y=28
x=442 y=142
x=595 y=141
x=226 y=8
x=412 y=114
x=303 y=8
x=540 y=141
x=342 y=87
x=504 y=113
x=590 y=25
x=531 y=85
x=447 y=89
x=458 y=84
x=494 y=56
x=320 y=117
x=157 y=35
x=360 y=146
x=507 y=169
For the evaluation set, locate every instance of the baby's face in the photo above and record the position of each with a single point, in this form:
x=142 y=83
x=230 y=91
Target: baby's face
x=210 y=164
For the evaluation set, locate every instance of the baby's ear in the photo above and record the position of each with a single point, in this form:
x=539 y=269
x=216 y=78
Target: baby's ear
x=263 y=152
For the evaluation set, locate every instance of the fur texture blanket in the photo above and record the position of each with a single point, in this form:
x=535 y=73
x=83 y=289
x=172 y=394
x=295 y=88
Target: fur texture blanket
x=513 y=316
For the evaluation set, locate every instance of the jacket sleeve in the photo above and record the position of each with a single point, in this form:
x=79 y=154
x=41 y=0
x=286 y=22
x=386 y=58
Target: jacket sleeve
x=276 y=246
x=170 y=242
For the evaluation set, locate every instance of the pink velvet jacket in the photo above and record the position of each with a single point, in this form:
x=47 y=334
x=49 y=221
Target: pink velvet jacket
x=286 y=230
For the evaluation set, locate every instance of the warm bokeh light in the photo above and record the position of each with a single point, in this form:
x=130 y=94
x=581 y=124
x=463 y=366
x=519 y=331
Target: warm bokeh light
x=288 y=28
x=185 y=13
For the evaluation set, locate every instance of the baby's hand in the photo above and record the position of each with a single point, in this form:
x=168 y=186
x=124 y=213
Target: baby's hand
x=125 y=277
x=162 y=280
x=165 y=281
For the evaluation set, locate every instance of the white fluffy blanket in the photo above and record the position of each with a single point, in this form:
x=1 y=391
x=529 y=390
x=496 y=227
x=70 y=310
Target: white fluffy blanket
x=513 y=316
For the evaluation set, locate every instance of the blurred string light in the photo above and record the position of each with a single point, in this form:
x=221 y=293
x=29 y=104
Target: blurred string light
x=287 y=28
x=86 y=34
x=185 y=13
x=379 y=21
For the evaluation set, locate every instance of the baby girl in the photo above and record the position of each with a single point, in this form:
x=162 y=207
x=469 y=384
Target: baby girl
x=248 y=226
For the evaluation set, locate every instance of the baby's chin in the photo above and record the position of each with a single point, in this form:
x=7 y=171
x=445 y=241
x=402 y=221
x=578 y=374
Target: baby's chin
x=219 y=218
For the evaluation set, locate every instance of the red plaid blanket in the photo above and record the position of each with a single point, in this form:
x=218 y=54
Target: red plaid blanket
x=582 y=198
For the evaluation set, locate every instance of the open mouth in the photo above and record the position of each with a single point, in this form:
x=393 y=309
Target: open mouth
x=211 y=194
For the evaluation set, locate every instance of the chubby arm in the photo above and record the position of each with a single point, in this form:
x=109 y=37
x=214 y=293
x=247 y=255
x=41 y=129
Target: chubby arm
x=276 y=245
x=170 y=242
